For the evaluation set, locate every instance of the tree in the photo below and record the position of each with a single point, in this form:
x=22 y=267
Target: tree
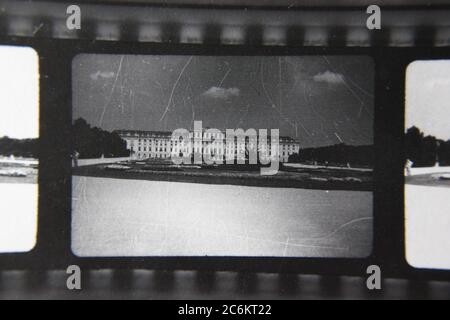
x=27 y=148
x=339 y=154
x=429 y=151
x=93 y=142
x=425 y=151
x=413 y=144
x=444 y=153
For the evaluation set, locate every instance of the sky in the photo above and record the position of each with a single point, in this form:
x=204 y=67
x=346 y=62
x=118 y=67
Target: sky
x=19 y=92
x=428 y=97
x=318 y=100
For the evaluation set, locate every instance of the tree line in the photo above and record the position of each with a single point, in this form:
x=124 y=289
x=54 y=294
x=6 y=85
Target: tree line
x=92 y=142
x=338 y=154
x=27 y=148
x=426 y=151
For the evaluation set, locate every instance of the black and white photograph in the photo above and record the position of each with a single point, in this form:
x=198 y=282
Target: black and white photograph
x=427 y=168
x=275 y=155
x=19 y=132
x=224 y=157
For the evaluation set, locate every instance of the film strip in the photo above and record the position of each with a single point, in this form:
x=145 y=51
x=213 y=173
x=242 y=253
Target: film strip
x=163 y=285
x=406 y=35
x=322 y=27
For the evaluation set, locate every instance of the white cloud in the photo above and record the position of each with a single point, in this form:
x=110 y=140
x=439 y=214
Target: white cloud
x=329 y=77
x=221 y=93
x=104 y=75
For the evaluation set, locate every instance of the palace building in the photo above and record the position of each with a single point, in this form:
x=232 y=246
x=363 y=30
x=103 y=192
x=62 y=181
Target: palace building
x=160 y=144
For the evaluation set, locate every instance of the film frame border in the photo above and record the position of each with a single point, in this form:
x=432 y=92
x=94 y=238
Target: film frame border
x=53 y=244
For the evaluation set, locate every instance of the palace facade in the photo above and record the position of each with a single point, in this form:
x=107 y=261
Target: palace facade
x=160 y=144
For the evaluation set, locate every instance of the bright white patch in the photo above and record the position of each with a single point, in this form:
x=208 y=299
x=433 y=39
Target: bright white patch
x=427 y=208
x=18 y=217
x=427 y=226
x=427 y=97
x=19 y=92
x=19 y=118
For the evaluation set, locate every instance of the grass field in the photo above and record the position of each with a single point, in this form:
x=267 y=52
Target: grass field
x=244 y=175
x=427 y=210
x=120 y=217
